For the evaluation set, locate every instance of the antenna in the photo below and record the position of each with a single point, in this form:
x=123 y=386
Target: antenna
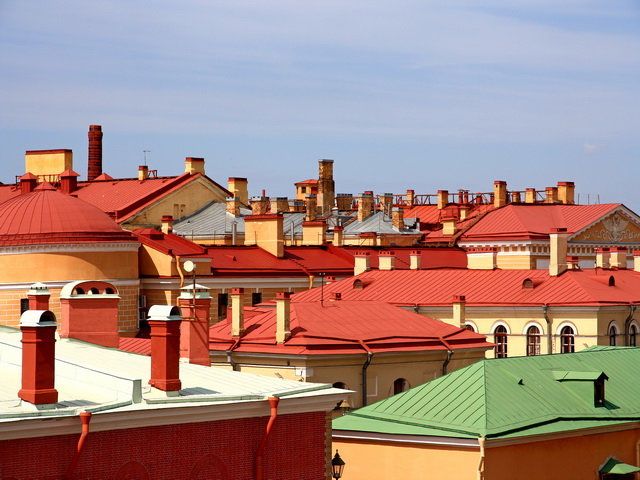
x=144 y=152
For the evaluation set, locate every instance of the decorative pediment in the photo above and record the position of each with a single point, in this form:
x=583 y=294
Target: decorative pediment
x=619 y=226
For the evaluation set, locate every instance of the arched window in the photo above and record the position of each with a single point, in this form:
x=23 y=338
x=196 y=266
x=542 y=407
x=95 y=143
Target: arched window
x=613 y=334
x=400 y=385
x=567 y=340
x=500 y=339
x=469 y=327
x=633 y=331
x=533 y=340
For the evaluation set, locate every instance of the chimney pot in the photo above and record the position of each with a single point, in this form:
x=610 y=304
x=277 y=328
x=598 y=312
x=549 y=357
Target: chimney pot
x=167 y=224
x=499 y=193
x=193 y=165
x=164 y=321
x=143 y=172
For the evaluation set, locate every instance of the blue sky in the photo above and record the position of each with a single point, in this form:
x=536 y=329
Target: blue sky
x=407 y=94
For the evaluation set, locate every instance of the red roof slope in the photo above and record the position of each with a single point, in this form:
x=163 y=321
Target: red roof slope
x=485 y=287
x=535 y=220
x=47 y=216
x=168 y=242
x=335 y=327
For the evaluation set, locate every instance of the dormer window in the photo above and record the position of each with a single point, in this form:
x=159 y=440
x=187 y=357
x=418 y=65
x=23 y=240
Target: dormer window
x=527 y=283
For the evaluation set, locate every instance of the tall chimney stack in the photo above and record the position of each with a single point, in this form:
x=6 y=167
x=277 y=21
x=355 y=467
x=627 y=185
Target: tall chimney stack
x=164 y=321
x=557 y=251
x=326 y=186
x=95 y=152
x=283 y=316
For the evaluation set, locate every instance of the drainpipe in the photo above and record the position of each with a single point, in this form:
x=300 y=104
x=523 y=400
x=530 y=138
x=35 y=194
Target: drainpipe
x=632 y=310
x=481 y=441
x=273 y=403
x=365 y=366
x=450 y=352
x=545 y=311
x=179 y=267
x=85 y=418
x=234 y=365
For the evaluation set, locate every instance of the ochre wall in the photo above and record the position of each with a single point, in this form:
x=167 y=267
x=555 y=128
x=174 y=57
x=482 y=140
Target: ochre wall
x=375 y=460
x=189 y=199
x=68 y=266
x=576 y=458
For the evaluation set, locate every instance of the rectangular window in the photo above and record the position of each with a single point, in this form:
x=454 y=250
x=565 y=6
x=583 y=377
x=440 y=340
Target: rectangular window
x=223 y=303
x=24 y=305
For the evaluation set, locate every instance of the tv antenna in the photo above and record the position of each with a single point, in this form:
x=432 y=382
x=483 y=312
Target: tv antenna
x=144 y=152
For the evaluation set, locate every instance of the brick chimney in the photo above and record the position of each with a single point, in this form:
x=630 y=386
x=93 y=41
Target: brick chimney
x=463 y=211
x=38 y=329
x=362 y=262
x=266 y=231
x=499 y=193
x=365 y=206
x=258 y=205
x=279 y=204
x=344 y=201
x=459 y=305
x=193 y=165
x=602 y=258
x=326 y=186
x=443 y=198
x=449 y=224
x=386 y=260
x=194 y=329
x=566 y=192
x=38 y=296
x=28 y=183
x=386 y=203
x=143 y=172
x=311 y=207
x=239 y=188
x=397 y=218
x=557 y=251
x=415 y=259
x=237 y=312
x=283 y=316
x=530 y=195
x=167 y=224
x=573 y=263
x=314 y=233
x=411 y=198
x=618 y=257
x=68 y=182
x=551 y=195
x=233 y=206
x=95 y=152
x=165 y=323
x=338 y=236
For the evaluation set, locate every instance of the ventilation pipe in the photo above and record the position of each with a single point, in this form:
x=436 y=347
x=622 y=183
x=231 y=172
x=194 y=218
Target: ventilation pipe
x=164 y=321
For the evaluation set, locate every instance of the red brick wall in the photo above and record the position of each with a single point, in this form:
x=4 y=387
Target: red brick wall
x=223 y=450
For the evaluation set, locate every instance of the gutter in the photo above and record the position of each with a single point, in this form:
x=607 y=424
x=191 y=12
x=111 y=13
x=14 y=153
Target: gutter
x=85 y=418
x=365 y=366
x=450 y=353
x=178 y=266
x=627 y=322
x=273 y=403
x=545 y=312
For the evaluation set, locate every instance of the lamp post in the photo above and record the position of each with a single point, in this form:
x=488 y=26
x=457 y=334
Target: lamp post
x=337 y=466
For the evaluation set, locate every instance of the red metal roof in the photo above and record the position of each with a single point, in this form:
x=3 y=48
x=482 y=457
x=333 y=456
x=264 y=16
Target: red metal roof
x=430 y=214
x=168 y=242
x=535 y=220
x=311 y=181
x=47 y=216
x=141 y=346
x=337 y=327
x=485 y=287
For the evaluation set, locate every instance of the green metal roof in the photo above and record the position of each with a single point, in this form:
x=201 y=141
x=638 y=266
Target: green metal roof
x=614 y=466
x=512 y=397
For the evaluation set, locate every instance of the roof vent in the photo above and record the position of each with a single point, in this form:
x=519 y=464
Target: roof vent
x=612 y=281
x=360 y=284
x=528 y=284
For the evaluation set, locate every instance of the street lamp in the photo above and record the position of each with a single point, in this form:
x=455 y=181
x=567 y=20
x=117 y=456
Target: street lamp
x=337 y=466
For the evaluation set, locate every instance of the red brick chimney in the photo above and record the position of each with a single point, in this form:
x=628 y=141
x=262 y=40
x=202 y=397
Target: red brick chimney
x=68 y=181
x=164 y=321
x=38 y=296
x=28 y=183
x=95 y=152
x=194 y=330
x=38 y=357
